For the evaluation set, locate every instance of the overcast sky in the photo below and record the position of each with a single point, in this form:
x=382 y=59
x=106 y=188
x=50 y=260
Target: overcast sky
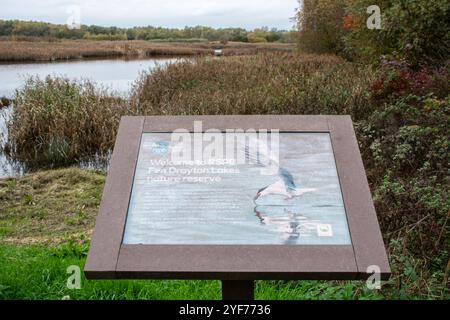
x=248 y=14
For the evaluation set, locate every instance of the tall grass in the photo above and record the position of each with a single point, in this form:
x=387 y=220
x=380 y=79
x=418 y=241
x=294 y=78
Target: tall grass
x=56 y=121
x=259 y=84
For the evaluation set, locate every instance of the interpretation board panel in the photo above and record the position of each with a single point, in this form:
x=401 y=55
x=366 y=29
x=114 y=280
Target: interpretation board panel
x=213 y=202
x=296 y=207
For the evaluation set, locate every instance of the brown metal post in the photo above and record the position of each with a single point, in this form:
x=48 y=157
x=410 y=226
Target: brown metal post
x=238 y=289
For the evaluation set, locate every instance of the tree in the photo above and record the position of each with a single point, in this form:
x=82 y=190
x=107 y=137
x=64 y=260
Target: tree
x=320 y=25
x=19 y=29
x=258 y=35
x=415 y=30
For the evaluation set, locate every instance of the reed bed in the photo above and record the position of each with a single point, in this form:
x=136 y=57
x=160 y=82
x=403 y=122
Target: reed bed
x=258 y=84
x=57 y=121
x=84 y=49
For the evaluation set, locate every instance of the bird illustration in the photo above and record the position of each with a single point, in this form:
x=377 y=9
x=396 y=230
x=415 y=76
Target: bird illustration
x=284 y=185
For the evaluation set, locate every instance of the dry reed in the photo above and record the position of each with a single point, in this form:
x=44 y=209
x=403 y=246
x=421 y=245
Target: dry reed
x=84 y=49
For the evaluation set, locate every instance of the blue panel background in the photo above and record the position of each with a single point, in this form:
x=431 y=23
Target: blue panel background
x=224 y=213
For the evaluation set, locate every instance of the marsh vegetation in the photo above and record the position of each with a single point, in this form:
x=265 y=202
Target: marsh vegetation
x=403 y=135
x=393 y=82
x=58 y=121
x=40 y=50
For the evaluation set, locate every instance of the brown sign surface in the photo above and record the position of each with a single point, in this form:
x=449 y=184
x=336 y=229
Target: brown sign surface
x=312 y=218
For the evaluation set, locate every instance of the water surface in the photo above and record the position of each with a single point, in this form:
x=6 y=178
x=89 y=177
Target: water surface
x=116 y=75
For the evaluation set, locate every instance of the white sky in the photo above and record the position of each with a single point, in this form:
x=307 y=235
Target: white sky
x=248 y=14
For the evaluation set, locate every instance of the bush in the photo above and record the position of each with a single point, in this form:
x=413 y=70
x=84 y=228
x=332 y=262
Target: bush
x=255 y=38
x=57 y=121
x=398 y=78
x=413 y=30
x=416 y=30
x=405 y=146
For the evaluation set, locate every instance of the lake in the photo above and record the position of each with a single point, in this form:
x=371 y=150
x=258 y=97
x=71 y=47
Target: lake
x=117 y=75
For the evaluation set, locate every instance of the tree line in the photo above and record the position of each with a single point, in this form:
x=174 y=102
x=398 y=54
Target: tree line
x=15 y=29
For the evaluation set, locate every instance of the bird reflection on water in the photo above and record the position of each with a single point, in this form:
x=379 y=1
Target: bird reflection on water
x=290 y=225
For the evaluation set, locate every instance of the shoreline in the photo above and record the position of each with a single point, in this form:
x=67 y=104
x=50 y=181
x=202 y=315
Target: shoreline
x=73 y=50
x=91 y=59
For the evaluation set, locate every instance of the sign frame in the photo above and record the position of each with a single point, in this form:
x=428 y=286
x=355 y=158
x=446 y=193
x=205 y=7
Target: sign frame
x=109 y=258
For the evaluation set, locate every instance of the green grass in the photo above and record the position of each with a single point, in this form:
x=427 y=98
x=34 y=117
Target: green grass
x=39 y=272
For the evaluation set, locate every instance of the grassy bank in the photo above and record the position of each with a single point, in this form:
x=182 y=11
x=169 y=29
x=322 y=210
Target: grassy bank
x=49 y=207
x=20 y=51
x=45 y=224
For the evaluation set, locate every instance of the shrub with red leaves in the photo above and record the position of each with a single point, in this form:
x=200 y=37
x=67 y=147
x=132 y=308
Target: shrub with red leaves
x=398 y=78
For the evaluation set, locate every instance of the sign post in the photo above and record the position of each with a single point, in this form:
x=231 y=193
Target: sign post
x=238 y=289
x=236 y=199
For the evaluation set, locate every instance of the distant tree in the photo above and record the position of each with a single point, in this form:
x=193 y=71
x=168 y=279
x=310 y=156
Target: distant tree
x=131 y=34
x=274 y=35
x=6 y=28
x=256 y=37
x=320 y=25
x=19 y=29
